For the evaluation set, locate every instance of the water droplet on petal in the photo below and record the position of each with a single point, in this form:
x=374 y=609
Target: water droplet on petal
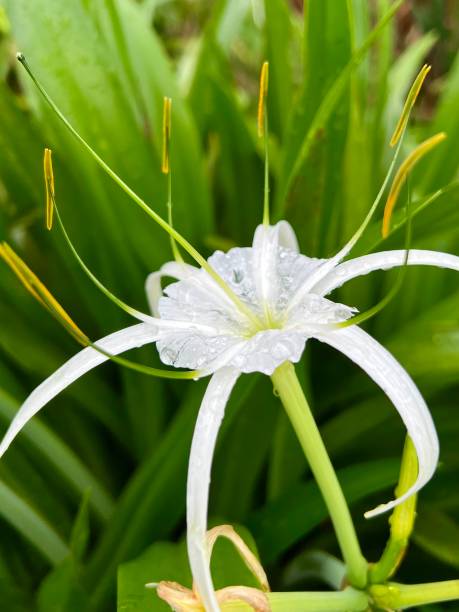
x=238 y=361
x=280 y=350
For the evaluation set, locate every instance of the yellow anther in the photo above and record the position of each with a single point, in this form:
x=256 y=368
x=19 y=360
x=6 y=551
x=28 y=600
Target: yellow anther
x=264 y=77
x=167 y=106
x=409 y=103
x=8 y=255
x=49 y=187
x=38 y=290
x=403 y=172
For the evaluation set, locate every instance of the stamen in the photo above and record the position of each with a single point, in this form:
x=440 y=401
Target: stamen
x=409 y=103
x=49 y=187
x=38 y=290
x=397 y=139
x=128 y=309
x=142 y=204
x=402 y=173
x=374 y=310
x=263 y=131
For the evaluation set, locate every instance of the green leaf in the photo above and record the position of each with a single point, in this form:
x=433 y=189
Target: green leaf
x=59 y=457
x=441 y=167
x=402 y=74
x=79 y=538
x=61 y=592
x=247 y=440
x=152 y=503
x=13 y=599
x=313 y=118
x=438 y=534
x=279 y=34
x=31 y=525
x=281 y=523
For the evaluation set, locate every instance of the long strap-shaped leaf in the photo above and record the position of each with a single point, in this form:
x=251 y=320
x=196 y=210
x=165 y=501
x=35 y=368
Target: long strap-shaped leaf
x=31 y=525
x=327 y=106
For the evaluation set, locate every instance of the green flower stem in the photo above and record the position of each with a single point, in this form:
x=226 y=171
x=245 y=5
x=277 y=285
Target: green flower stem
x=349 y=600
x=401 y=520
x=291 y=394
x=403 y=596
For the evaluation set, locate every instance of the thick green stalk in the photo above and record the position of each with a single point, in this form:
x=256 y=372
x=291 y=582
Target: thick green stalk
x=404 y=596
x=297 y=408
x=349 y=600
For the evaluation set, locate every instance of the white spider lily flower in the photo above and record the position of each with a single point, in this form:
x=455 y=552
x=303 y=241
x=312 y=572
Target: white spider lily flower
x=248 y=310
x=199 y=327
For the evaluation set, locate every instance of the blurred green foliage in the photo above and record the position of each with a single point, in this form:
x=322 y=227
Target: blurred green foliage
x=125 y=438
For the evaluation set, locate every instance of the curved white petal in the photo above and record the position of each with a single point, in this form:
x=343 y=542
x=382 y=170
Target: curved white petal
x=287 y=237
x=383 y=261
x=385 y=370
x=265 y=257
x=199 y=469
x=153 y=289
x=87 y=359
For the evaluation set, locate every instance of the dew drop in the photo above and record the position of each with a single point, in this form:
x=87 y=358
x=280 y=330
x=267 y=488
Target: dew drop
x=280 y=351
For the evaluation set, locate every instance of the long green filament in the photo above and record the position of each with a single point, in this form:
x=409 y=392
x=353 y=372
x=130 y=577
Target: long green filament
x=266 y=219
x=117 y=301
x=175 y=251
x=144 y=369
x=396 y=139
x=143 y=205
x=131 y=365
x=166 y=168
x=391 y=294
x=38 y=290
x=291 y=394
x=333 y=261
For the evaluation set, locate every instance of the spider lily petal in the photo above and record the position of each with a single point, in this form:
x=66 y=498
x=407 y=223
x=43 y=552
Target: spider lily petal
x=202 y=449
x=265 y=253
x=153 y=289
x=383 y=260
x=385 y=370
x=131 y=337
